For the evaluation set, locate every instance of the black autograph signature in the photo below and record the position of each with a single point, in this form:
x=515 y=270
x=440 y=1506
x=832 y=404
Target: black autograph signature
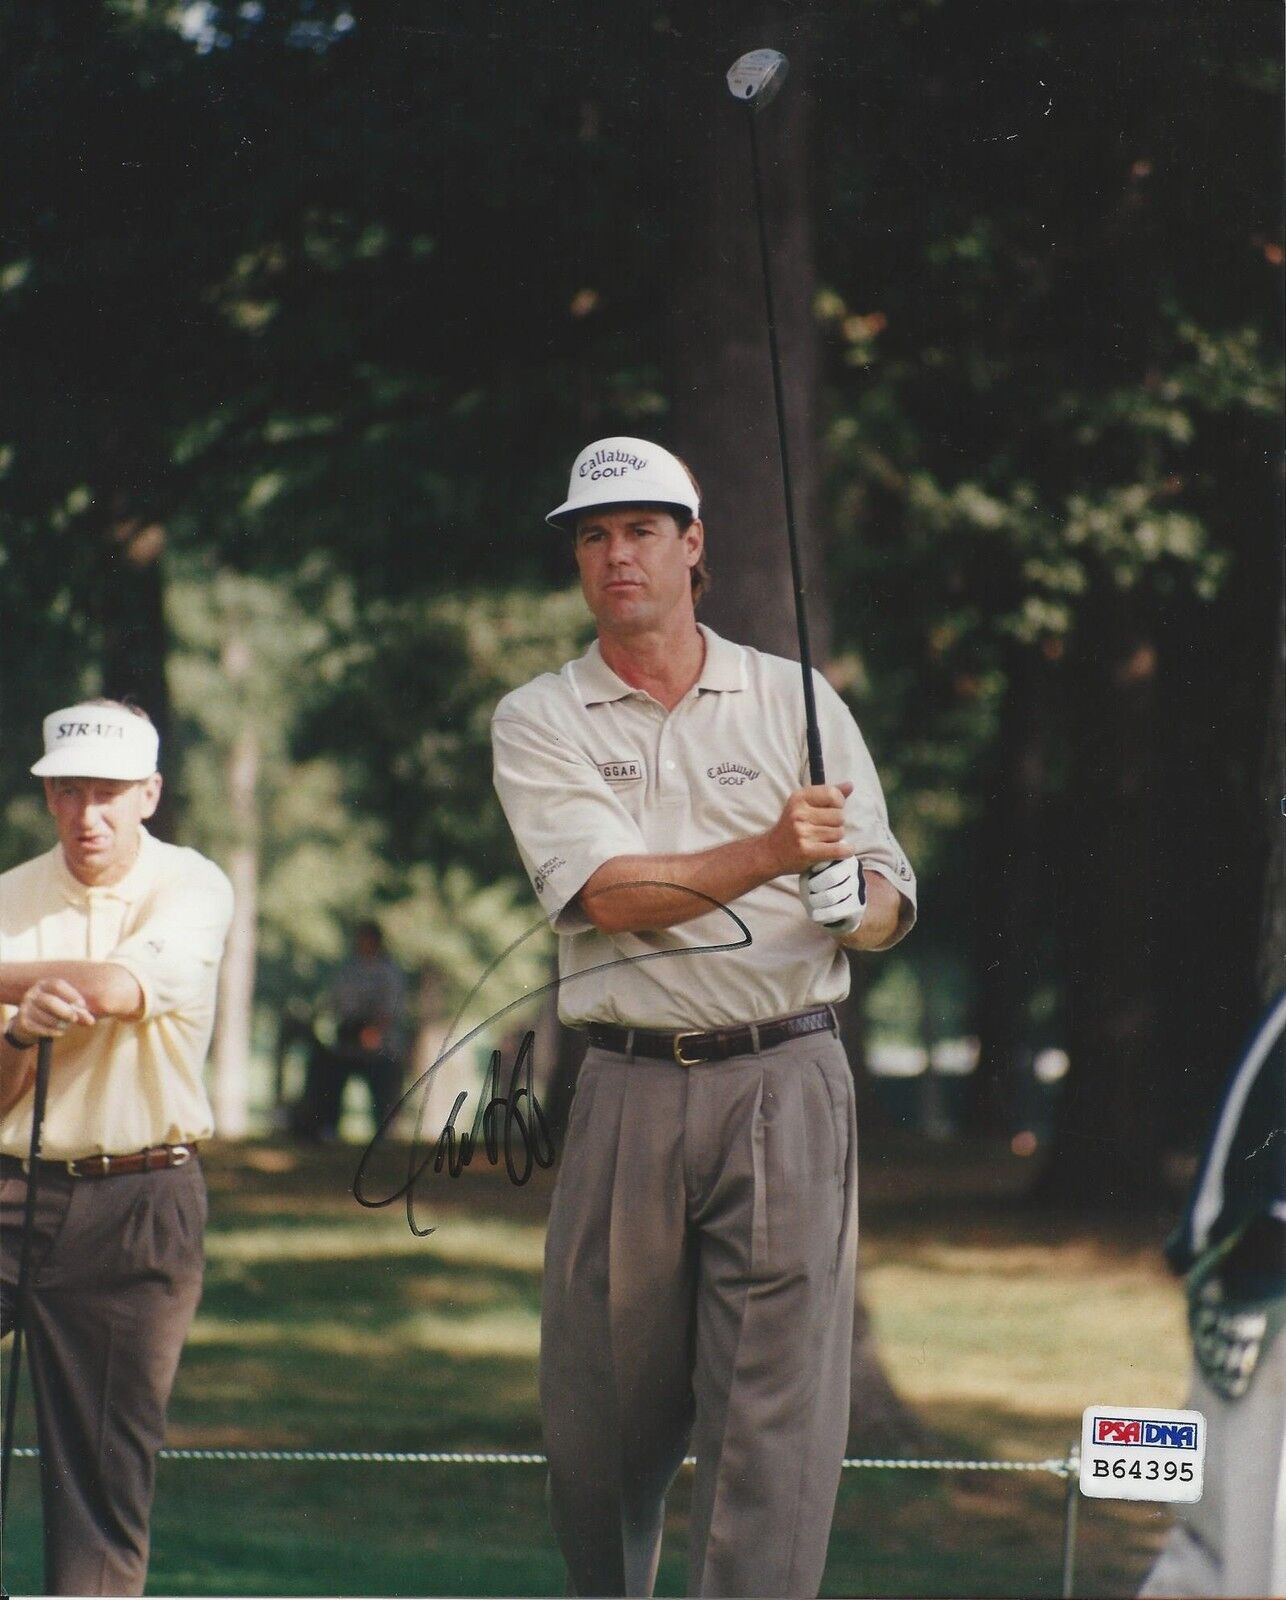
x=502 y=1122
x=455 y=1151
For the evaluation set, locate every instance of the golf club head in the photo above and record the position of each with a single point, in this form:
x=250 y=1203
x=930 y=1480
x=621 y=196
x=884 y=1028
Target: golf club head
x=757 y=77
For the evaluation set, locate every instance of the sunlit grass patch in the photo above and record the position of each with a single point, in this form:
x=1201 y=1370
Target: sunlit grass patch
x=480 y=1242
x=514 y=1334
x=1050 y=1329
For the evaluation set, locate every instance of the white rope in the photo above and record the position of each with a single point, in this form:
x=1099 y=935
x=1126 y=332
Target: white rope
x=1060 y=1469
x=507 y=1458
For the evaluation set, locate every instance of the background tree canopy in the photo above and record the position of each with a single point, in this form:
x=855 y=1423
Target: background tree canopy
x=307 y=307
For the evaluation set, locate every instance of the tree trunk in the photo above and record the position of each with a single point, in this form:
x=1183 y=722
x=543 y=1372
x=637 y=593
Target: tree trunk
x=723 y=413
x=232 y=1045
x=724 y=418
x=871 y=1117
x=1013 y=882
x=1220 y=672
x=1107 y=1145
x=135 y=639
x=1271 y=966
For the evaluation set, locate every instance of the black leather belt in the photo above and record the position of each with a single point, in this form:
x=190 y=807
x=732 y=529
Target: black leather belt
x=691 y=1049
x=155 y=1159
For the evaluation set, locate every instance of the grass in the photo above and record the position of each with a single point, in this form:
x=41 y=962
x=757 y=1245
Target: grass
x=327 y=1326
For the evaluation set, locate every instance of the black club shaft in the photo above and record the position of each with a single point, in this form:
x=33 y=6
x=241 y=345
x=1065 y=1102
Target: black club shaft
x=816 y=766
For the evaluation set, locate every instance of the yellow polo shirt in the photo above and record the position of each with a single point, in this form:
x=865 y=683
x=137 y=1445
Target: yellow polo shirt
x=588 y=768
x=122 y=1086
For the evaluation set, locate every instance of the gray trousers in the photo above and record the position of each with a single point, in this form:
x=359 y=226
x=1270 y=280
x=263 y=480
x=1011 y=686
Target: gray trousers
x=117 y=1266
x=699 y=1284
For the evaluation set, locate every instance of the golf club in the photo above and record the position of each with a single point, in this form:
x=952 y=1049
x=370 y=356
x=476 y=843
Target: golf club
x=44 y=1055
x=755 y=80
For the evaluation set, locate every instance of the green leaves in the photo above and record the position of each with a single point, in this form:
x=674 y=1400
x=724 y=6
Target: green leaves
x=332 y=304
x=371 y=734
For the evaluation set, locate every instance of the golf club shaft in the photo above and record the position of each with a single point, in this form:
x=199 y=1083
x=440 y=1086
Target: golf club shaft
x=816 y=767
x=44 y=1055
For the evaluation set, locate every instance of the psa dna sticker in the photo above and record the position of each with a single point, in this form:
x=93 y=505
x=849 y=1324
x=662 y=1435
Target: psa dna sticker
x=1139 y=1453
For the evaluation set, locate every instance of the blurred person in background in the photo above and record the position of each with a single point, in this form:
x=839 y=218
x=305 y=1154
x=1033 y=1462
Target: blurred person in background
x=367 y=1001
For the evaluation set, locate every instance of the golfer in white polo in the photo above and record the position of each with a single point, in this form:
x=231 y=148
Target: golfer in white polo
x=701 y=1247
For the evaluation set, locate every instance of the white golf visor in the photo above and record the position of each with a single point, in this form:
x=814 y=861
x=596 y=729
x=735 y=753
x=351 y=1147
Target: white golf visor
x=625 y=472
x=89 y=741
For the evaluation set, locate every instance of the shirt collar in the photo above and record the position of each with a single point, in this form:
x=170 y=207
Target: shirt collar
x=131 y=887
x=725 y=664
x=594 y=681
x=724 y=669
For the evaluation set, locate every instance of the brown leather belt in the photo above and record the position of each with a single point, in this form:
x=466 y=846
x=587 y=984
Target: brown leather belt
x=691 y=1049
x=155 y=1159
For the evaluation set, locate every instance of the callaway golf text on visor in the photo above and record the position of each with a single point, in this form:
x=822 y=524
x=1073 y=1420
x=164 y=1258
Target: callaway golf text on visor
x=89 y=741
x=625 y=472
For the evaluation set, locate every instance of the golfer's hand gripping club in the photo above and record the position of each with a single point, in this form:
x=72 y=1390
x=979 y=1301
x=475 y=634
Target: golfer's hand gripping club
x=808 y=839
x=49 y=1008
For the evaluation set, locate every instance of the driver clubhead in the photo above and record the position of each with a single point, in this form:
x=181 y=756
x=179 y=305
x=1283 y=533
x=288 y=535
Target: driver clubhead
x=757 y=77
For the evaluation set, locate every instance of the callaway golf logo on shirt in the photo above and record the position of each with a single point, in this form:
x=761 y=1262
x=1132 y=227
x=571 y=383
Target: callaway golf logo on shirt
x=732 y=772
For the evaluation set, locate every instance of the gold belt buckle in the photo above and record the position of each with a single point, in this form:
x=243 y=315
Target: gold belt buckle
x=677 y=1047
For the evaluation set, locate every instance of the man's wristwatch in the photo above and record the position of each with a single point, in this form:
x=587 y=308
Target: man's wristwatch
x=11 y=1038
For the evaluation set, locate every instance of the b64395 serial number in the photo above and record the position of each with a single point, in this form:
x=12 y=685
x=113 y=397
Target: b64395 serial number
x=1147 y=1471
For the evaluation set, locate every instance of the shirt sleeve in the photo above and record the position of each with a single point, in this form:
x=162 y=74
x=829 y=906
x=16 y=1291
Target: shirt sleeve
x=866 y=815
x=565 y=819
x=178 y=938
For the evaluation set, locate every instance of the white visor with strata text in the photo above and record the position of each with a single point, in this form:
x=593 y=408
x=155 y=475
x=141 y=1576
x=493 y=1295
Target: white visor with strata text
x=90 y=741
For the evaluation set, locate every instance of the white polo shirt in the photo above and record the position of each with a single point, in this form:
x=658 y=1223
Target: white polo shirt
x=588 y=768
x=122 y=1086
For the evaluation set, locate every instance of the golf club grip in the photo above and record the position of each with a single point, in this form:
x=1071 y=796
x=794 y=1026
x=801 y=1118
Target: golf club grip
x=816 y=766
x=44 y=1060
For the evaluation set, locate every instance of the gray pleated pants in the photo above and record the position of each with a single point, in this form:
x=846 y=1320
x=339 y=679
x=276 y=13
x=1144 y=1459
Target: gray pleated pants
x=699 y=1282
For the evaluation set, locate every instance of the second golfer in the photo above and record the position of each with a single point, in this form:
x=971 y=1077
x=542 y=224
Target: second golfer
x=109 y=945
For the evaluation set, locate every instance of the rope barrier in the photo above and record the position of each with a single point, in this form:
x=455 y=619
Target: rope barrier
x=511 y=1458
x=1058 y=1468
x=1067 y=1469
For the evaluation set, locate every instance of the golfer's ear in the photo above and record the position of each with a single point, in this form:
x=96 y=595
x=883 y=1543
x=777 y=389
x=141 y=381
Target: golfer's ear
x=695 y=536
x=151 y=795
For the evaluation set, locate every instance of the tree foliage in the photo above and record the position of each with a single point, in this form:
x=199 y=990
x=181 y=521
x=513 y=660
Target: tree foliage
x=311 y=304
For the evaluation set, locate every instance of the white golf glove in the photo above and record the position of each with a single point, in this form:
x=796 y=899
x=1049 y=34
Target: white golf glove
x=834 y=895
